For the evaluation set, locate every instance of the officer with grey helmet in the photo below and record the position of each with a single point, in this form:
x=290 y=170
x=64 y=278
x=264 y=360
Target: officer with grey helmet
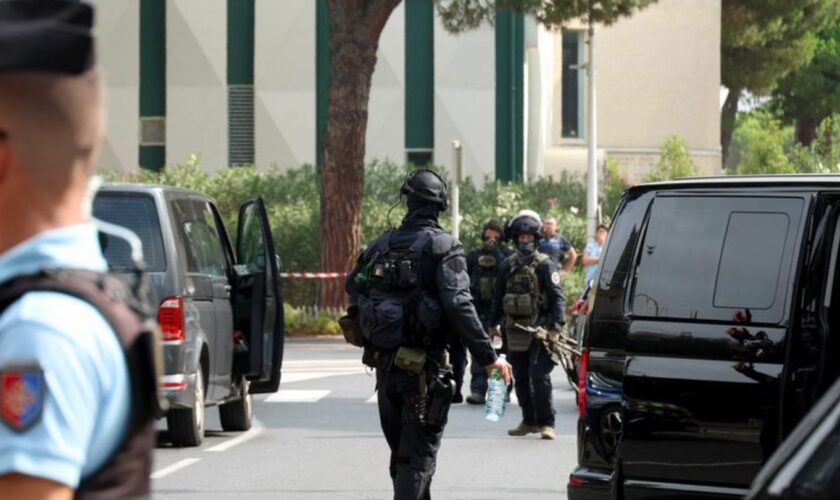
x=528 y=303
x=408 y=293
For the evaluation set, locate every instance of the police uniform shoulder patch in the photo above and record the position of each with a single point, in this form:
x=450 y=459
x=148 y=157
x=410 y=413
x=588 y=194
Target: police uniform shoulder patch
x=457 y=264
x=555 y=278
x=22 y=394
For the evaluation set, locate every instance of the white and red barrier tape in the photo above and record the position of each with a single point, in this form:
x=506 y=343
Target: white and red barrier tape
x=313 y=276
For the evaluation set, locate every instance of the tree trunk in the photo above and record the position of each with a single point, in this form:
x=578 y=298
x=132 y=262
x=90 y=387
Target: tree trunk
x=355 y=27
x=727 y=121
x=806 y=129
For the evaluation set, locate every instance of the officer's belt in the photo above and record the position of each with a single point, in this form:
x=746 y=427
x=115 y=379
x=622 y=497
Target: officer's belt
x=383 y=359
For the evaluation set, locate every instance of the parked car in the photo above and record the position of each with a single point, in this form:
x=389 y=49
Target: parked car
x=712 y=331
x=219 y=309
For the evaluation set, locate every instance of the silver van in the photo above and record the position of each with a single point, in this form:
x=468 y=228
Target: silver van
x=219 y=306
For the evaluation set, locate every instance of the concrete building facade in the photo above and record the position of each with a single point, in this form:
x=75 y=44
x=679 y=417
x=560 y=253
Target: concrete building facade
x=244 y=81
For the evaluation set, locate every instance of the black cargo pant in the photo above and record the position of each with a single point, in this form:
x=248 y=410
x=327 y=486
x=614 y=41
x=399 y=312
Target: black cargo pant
x=532 y=371
x=458 y=358
x=414 y=447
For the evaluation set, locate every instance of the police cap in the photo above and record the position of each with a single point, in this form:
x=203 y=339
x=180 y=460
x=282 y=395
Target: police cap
x=51 y=36
x=426 y=185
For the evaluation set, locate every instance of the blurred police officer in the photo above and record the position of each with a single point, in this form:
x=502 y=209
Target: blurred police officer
x=408 y=291
x=483 y=266
x=557 y=246
x=529 y=298
x=76 y=376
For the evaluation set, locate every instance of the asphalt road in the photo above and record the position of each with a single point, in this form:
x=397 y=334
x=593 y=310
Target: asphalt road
x=319 y=438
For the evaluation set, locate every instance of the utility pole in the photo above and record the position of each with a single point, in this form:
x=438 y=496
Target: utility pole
x=456 y=188
x=592 y=142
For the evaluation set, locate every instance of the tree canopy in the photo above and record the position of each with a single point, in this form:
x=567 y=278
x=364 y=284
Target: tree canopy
x=764 y=40
x=812 y=93
x=462 y=15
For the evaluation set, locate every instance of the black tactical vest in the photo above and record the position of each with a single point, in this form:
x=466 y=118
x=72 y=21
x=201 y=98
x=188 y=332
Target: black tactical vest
x=126 y=473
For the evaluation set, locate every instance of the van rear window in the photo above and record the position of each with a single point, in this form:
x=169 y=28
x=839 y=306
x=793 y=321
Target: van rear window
x=707 y=258
x=138 y=213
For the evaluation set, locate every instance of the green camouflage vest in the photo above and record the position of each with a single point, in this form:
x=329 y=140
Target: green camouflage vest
x=523 y=300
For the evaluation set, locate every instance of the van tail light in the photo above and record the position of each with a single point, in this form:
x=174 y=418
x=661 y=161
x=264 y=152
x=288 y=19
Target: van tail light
x=583 y=368
x=171 y=318
x=576 y=481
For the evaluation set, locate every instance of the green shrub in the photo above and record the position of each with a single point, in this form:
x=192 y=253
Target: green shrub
x=294 y=213
x=573 y=285
x=823 y=155
x=759 y=144
x=674 y=161
x=615 y=183
x=299 y=322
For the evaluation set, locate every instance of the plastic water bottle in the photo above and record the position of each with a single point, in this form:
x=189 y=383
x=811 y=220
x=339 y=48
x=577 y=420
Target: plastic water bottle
x=494 y=406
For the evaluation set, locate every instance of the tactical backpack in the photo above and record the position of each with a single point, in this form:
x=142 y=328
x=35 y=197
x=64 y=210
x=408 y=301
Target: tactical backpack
x=394 y=310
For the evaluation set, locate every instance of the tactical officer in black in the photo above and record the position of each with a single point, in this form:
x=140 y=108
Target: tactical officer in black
x=528 y=303
x=409 y=289
x=483 y=267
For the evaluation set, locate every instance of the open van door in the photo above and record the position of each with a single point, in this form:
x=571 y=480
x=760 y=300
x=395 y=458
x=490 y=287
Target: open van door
x=258 y=304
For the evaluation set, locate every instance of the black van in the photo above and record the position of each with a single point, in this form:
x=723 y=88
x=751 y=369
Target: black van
x=714 y=327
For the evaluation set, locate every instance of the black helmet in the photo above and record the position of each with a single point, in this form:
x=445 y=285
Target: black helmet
x=426 y=185
x=525 y=221
x=494 y=225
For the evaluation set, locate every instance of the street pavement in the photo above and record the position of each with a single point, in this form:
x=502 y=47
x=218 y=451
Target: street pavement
x=318 y=437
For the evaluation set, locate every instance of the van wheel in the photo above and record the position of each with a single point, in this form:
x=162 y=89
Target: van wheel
x=236 y=415
x=186 y=425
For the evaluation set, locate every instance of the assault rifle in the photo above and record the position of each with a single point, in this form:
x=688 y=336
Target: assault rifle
x=557 y=344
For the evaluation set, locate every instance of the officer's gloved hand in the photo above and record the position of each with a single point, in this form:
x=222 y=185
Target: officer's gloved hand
x=504 y=369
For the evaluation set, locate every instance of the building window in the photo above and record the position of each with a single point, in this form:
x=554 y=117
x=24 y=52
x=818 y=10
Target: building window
x=573 y=73
x=748 y=244
x=419 y=158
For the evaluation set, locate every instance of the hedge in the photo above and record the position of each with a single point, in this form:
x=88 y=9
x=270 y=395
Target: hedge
x=294 y=214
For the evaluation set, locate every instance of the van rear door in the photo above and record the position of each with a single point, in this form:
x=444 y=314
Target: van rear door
x=258 y=303
x=709 y=308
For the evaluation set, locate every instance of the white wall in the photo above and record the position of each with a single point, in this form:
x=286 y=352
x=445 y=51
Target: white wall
x=196 y=94
x=118 y=47
x=285 y=83
x=385 y=137
x=465 y=99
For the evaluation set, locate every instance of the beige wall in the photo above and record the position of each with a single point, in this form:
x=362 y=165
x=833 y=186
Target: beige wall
x=658 y=73
x=284 y=83
x=196 y=73
x=465 y=100
x=385 y=135
x=118 y=47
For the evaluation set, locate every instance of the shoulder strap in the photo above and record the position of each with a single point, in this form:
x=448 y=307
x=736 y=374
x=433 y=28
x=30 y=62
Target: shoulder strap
x=422 y=241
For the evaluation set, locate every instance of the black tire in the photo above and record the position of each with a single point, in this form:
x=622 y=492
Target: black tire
x=186 y=425
x=236 y=415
